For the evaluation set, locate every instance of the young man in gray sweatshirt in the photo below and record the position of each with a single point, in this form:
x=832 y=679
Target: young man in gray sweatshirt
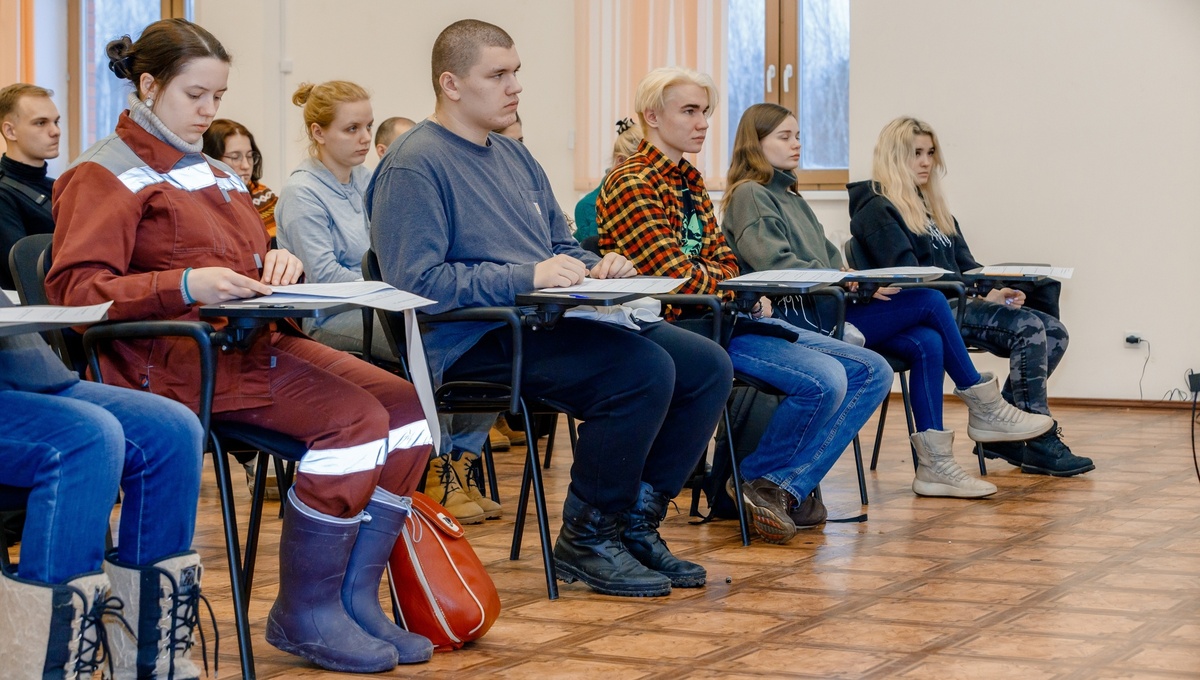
x=467 y=218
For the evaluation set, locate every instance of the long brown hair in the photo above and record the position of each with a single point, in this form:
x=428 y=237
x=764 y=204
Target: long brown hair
x=749 y=163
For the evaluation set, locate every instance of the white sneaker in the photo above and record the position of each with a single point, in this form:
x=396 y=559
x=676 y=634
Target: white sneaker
x=938 y=474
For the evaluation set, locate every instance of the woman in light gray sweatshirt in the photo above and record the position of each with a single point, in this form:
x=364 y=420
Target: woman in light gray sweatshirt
x=320 y=214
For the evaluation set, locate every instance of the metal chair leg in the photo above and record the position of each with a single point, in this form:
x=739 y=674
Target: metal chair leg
x=736 y=475
x=982 y=461
x=233 y=554
x=256 y=505
x=908 y=416
x=858 y=467
x=533 y=479
x=489 y=466
x=879 y=432
x=549 y=440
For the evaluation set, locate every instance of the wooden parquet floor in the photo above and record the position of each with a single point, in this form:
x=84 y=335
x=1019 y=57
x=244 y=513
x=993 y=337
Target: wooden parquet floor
x=1090 y=577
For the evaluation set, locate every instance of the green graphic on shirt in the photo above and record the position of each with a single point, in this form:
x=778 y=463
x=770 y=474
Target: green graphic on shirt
x=692 y=234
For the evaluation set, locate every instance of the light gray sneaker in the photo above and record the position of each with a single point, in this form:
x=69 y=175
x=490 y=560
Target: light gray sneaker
x=995 y=420
x=938 y=474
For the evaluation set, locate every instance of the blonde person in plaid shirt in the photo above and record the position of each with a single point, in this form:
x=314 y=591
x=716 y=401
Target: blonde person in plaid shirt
x=654 y=209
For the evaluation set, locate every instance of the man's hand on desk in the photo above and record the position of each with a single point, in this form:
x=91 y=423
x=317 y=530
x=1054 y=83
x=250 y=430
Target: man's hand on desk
x=613 y=266
x=559 y=271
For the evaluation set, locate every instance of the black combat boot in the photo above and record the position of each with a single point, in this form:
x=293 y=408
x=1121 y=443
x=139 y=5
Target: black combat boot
x=589 y=549
x=1049 y=455
x=639 y=533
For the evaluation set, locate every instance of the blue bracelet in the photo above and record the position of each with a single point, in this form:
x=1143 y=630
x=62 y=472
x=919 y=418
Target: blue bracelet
x=183 y=287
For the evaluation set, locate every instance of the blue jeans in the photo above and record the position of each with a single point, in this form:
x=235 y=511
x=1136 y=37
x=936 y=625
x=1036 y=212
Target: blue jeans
x=831 y=389
x=72 y=449
x=465 y=432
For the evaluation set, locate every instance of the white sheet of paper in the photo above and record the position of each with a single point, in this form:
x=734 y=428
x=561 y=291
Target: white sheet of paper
x=1055 y=272
x=386 y=298
x=339 y=291
x=901 y=271
x=791 y=276
x=646 y=285
x=13 y=297
x=54 y=314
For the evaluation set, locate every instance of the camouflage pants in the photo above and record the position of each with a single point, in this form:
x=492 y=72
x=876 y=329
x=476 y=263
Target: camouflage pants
x=1034 y=342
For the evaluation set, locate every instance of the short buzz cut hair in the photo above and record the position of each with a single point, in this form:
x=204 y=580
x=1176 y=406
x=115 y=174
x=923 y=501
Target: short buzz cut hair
x=652 y=90
x=12 y=94
x=457 y=47
x=385 y=134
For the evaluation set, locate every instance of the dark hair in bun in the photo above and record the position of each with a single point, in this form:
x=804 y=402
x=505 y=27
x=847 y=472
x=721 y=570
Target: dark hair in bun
x=163 y=49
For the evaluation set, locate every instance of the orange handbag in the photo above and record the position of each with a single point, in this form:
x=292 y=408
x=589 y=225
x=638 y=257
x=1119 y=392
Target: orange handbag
x=442 y=588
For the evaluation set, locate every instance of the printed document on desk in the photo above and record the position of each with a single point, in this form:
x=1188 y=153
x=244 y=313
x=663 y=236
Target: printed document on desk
x=1025 y=270
x=790 y=276
x=645 y=285
x=923 y=273
x=54 y=314
x=374 y=294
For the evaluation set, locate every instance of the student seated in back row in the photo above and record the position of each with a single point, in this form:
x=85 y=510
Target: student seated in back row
x=29 y=125
x=127 y=213
x=654 y=209
x=770 y=226
x=231 y=143
x=466 y=217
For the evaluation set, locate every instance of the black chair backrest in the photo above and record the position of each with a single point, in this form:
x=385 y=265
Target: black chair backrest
x=392 y=322
x=856 y=255
x=23 y=263
x=29 y=260
x=591 y=244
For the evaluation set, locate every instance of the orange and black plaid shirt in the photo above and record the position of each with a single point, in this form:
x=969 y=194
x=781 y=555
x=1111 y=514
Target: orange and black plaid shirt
x=640 y=215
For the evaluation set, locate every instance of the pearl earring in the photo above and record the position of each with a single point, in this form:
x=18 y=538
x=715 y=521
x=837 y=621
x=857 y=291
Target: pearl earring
x=149 y=102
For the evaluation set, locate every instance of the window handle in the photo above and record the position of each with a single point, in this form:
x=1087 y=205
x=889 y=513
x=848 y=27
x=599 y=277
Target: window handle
x=787 y=77
x=770 y=77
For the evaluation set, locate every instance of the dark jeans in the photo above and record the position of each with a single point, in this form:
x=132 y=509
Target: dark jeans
x=649 y=400
x=1036 y=342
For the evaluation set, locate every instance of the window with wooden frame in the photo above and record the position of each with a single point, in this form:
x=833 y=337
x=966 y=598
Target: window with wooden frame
x=97 y=96
x=16 y=37
x=791 y=52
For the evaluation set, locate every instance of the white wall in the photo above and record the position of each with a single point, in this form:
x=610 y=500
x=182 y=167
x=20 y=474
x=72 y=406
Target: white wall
x=1070 y=127
x=385 y=46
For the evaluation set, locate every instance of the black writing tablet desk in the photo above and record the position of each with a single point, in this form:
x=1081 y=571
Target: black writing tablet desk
x=247 y=317
x=546 y=307
x=746 y=293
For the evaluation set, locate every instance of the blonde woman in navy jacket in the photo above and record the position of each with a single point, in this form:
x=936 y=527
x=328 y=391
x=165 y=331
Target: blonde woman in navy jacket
x=901 y=218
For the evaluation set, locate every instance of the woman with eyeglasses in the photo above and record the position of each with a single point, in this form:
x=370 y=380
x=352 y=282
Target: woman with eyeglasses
x=231 y=143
